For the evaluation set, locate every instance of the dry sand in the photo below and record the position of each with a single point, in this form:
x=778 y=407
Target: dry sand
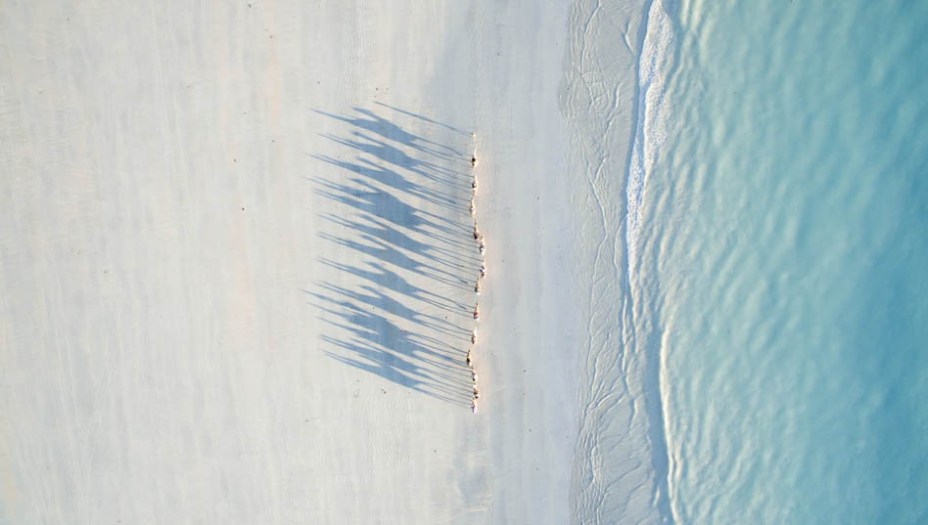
x=237 y=268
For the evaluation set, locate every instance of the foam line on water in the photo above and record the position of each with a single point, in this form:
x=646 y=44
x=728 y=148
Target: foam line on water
x=649 y=138
x=651 y=122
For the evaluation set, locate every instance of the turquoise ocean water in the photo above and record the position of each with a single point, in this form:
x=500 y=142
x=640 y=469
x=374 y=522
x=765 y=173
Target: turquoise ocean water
x=778 y=235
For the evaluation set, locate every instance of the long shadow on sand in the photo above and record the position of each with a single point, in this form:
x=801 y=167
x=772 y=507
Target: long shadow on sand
x=402 y=303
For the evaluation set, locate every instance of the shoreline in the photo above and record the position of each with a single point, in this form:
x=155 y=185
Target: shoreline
x=615 y=472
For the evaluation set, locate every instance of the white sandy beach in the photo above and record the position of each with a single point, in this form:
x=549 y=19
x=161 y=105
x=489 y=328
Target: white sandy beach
x=237 y=265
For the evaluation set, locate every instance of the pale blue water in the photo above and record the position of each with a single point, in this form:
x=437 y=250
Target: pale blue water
x=781 y=245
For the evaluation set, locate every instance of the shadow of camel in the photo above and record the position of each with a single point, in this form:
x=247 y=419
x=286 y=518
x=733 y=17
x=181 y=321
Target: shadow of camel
x=401 y=305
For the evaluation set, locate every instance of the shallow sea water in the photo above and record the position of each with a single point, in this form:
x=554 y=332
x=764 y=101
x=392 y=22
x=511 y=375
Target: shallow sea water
x=779 y=257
